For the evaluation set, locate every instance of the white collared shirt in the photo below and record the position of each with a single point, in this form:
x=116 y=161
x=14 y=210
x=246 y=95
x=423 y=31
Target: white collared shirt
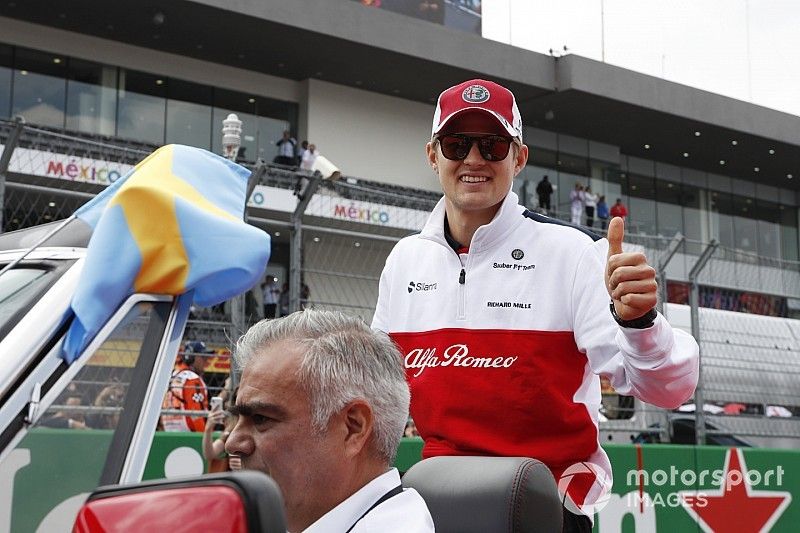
x=404 y=512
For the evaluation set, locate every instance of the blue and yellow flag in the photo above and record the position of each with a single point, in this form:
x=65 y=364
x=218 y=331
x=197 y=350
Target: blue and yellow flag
x=172 y=224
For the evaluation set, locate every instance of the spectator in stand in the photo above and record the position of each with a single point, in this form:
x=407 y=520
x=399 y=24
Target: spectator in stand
x=576 y=203
x=544 y=189
x=110 y=397
x=286 y=147
x=322 y=404
x=602 y=212
x=300 y=151
x=67 y=417
x=187 y=390
x=271 y=294
x=411 y=429
x=214 y=450
x=309 y=157
x=619 y=210
x=283 y=300
x=589 y=202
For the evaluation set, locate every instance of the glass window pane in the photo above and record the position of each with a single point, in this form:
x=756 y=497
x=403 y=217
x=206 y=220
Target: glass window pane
x=670 y=219
x=5 y=81
x=746 y=230
x=566 y=184
x=573 y=164
x=769 y=237
x=642 y=207
x=789 y=243
x=745 y=227
x=91 y=97
x=721 y=221
x=189 y=114
x=189 y=124
x=525 y=187
x=142 y=105
x=769 y=233
x=68 y=447
x=39 y=87
x=542 y=157
x=269 y=131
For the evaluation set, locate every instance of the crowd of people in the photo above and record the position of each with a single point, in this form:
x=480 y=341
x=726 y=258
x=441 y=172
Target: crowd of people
x=76 y=411
x=292 y=154
x=586 y=206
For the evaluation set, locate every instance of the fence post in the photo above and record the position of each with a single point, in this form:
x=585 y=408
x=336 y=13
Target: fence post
x=694 y=306
x=238 y=303
x=5 y=161
x=304 y=195
x=672 y=249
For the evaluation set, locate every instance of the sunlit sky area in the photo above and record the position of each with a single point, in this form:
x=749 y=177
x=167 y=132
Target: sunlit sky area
x=745 y=49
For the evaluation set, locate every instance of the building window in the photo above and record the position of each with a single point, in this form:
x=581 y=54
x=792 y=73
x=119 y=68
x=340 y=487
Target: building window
x=91 y=97
x=142 y=105
x=6 y=54
x=39 y=87
x=189 y=114
x=789 y=236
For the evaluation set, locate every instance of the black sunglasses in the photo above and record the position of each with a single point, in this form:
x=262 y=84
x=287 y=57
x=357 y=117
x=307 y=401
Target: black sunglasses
x=456 y=146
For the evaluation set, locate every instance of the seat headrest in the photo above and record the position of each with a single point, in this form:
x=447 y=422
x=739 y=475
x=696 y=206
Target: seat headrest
x=488 y=494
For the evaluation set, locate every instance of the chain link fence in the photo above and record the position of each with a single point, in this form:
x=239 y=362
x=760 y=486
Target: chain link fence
x=330 y=242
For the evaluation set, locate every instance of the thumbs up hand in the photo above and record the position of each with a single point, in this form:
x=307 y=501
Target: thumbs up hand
x=630 y=281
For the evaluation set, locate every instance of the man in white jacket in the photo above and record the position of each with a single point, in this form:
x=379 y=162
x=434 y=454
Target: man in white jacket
x=506 y=318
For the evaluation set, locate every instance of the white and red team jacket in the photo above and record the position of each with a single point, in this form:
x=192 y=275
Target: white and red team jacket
x=504 y=345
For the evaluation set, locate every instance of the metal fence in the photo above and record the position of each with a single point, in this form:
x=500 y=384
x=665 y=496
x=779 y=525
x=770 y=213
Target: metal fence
x=332 y=239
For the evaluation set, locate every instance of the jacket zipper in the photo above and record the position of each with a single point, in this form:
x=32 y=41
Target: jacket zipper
x=462 y=293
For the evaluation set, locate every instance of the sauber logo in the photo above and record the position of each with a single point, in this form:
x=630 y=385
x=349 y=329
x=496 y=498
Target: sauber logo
x=420 y=286
x=456 y=355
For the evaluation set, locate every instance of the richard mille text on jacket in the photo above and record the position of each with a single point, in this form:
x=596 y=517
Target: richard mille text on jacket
x=456 y=355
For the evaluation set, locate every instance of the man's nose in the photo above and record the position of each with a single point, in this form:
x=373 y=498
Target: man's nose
x=474 y=156
x=239 y=442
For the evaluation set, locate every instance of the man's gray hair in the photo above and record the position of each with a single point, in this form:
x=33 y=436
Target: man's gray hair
x=344 y=360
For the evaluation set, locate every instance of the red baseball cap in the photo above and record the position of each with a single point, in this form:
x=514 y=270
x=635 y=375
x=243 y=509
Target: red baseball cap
x=480 y=95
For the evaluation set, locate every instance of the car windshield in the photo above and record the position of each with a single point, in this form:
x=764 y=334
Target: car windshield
x=19 y=290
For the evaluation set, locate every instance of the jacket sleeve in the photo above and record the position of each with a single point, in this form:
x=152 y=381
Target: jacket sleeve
x=658 y=365
x=380 y=320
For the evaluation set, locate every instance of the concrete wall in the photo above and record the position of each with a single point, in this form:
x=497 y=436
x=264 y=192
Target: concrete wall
x=369 y=135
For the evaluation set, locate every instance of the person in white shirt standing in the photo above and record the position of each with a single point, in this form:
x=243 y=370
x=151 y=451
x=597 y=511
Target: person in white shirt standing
x=589 y=203
x=322 y=404
x=309 y=156
x=576 y=204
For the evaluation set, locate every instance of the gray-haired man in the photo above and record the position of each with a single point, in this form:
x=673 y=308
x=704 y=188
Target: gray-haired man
x=322 y=405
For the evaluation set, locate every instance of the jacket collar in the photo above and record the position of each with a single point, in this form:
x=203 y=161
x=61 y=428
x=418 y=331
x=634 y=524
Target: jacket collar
x=504 y=221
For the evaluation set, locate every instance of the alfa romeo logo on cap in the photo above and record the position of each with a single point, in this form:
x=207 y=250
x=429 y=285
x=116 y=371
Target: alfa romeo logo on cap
x=475 y=94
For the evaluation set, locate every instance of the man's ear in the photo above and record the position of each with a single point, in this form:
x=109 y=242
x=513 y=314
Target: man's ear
x=430 y=151
x=521 y=160
x=359 y=422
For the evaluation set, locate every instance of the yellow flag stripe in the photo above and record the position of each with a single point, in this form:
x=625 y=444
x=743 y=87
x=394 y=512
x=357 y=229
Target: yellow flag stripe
x=148 y=201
